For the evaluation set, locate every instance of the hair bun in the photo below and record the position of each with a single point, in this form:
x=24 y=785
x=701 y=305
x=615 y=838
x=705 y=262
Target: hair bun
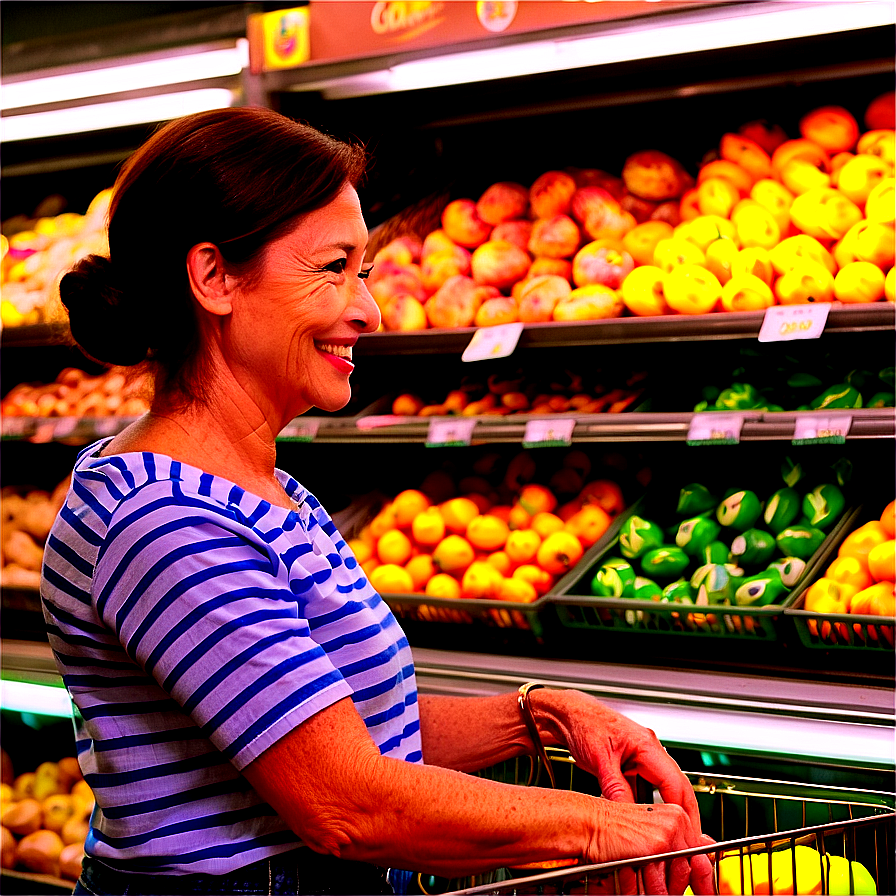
x=101 y=313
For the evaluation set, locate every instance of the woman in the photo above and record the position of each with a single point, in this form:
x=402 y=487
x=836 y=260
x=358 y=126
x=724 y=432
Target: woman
x=249 y=720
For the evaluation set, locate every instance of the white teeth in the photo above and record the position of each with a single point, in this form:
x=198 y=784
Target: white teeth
x=341 y=351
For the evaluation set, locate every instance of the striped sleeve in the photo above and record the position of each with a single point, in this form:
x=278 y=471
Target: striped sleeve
x=203 y=604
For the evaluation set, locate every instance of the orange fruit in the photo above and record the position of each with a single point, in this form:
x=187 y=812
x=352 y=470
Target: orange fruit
x=428 y=528
x=394 y=547
x=799 y=148
x=827 y=596
x=453 y=554
x=390 y=578
x=688 y=208
x=480 y=580
x=361 y=549
x=406 y=405
x=487 y=532
x=535 y=498
x=833 y=128
x=369 y=566
x=421 y=569
x=516 y=590
x=559 y=552
x=605 y=493
x=522 y=545
x=747 y=154
x=519 y=517
x=888 y=519
x=540 y=579
x=727 y=170
x=443 y=585
x=501 y=561
x=407 y=504
x=882 y=561
x=589 y=524
x=545 y=523
x=860 y=541
x=457 y=513
x=382 y=522
x=717 y=196
x=849 y=571
x=876 y=600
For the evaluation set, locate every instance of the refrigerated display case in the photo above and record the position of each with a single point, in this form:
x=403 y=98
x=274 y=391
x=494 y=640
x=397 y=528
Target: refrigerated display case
x=771 y=705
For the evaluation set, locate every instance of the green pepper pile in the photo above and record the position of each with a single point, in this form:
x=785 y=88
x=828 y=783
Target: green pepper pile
x=730 y=549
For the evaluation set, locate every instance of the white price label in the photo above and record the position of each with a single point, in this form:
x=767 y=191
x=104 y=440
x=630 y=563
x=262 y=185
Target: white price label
x=810 y=429
x=450 y=431
x=715 y=429
x=493 y=342
x=545 y=433
x=299 y=430
x=107 y=426
x=64 y=427
x=785 y=322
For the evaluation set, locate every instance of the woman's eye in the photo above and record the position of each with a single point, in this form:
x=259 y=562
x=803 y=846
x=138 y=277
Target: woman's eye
x=364 y=273
x=337 y=266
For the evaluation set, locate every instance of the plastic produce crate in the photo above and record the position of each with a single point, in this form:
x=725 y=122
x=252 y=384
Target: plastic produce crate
x=578 y=609
x=774 y=823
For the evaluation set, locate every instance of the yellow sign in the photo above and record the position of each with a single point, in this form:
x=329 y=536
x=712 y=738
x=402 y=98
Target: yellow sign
x=284 y=36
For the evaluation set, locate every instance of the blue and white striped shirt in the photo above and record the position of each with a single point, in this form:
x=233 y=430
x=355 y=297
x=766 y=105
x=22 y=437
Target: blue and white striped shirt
x=194 y=625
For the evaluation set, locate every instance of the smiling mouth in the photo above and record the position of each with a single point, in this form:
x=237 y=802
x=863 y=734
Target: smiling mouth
x=340 y=351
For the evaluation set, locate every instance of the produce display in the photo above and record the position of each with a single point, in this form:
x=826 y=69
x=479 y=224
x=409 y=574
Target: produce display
x=26 y=516
x=499 y=534
x=44 y=818
x=35 y=252
x=769 y=218
x=75 y=393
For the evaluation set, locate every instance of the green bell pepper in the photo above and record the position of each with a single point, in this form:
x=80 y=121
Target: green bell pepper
x=637 y=536
x=715 y=583
x=887 y=376
x=792 y=472
x=799 y=541
x=738 y=397
x=646 y=589
x=714 y=552
x=740 y=510
x=614 y=578
x=781 y=509
x=790 y=569
x=840 y=396
x=802 y=380
x=881 y=400
x=755 y=547
x=696 y=533
x=679 y=591
x=823 y=505
x=759 y=590
x=695 y=499
x=664 y=563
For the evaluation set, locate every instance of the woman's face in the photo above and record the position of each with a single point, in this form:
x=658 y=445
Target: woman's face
x=292 y=330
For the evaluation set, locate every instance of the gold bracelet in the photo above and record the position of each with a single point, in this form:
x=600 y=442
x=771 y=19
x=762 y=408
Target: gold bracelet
x=532 y=728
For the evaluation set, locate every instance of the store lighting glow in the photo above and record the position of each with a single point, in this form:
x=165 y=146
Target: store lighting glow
x=162 y=107
x=695 y=32
x=179 y=69
x=39 y=699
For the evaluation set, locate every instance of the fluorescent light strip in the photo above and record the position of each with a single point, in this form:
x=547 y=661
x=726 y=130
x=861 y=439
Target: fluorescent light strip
x=129 y=76
x=40 y=699
x=643 y=40
x=115 y=114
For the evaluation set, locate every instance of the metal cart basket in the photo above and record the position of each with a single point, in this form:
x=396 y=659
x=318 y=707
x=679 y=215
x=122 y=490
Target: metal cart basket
x=770 y=835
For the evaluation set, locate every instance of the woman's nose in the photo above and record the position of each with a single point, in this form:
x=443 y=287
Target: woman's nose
x=365 y=312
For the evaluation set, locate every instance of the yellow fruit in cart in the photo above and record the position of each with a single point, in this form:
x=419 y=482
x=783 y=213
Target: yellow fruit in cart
x=720 y=255
x=687 y=205
x=589 y=524
x=369 y=566
x=540 y=579
x=826 y=595
x=517 y=591
x=480 y=580
x=717 y=196
x=707 y=229
x=457 y=514
x=800 y=176
x=756 y=225
x=860 y=541
x=880 y=142
x=453 y=554
x=809 y=282
x=849 y=571
x=390 y=578
x=394 y=547
x=774 y=196
x=755 y=262
x=522 y=545
x=676 y=251
x=796 y=871
x=860 y=175
x=406 y=505
x=875 y=600
x=443 y=586
x=487 y=532
x=421 y=569
x=859 y=283
x=535 y=498
x=794 y=250
x=501 y=561
x=559 y=552
x=519 y=517
x=824 y=213
x=546 y=523
x=882 y=561
x=692 y=289
x=382 y=522
x=428 y=528
x=839 y=869
x=641 y=241
x=746 y=293
x=880 y=206
x=643 y=292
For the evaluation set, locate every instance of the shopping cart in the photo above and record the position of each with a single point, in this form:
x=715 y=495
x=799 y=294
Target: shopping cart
x=769 y=835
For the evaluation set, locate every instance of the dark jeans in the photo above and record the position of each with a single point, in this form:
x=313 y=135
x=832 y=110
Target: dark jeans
x=300 y=871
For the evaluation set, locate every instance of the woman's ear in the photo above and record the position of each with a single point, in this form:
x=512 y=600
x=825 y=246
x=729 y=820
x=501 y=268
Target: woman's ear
x=209 y=282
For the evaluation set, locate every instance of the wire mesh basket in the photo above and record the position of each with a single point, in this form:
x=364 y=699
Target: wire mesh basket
x=772 y=837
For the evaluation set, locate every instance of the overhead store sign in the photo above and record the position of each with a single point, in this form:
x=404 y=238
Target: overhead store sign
x=278 y=39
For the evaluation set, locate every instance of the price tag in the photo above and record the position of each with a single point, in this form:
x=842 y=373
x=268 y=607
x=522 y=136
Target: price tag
x=451 y=431
x=785 y=322
x=810 y=429
x=715 y=429
x=44 y=431
x=300 y=430
x=15 y=427
x=64 y=427
x=493 y=342
x=548 y=433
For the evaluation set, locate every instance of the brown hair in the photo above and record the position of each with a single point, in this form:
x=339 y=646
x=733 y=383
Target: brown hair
x=233 y=177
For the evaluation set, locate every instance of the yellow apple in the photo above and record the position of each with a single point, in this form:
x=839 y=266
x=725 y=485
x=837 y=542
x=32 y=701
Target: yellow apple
x=808 y=282
x=643 y=291
x=692 y=289
x=802 y=247
x=756 y=226
x=858 y=177
x=755 y=261
x=747 y=293
x=880 y=206
x=592 y=302
x=720 y=255
x=675 y=251
x=824 y=213
x=859 y=282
